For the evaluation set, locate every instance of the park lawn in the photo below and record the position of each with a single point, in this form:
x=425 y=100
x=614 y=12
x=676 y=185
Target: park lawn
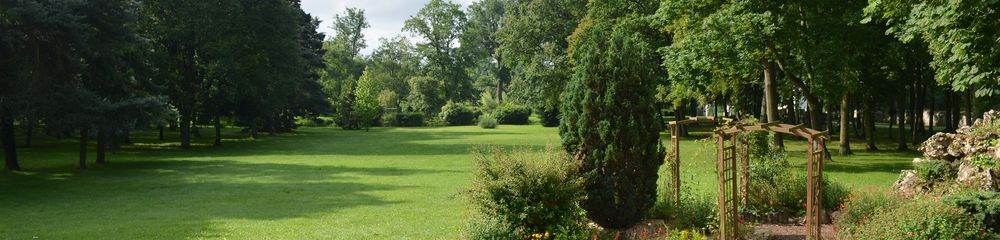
x=387 y=183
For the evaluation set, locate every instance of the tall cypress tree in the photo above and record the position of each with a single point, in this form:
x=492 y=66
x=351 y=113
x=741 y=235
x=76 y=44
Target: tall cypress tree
x=610 y=121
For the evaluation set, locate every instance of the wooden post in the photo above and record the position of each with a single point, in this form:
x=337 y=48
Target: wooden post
x=676 y=168
x=723 y=221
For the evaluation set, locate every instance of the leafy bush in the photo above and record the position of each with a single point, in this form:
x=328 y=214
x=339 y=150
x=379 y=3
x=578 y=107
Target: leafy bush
x=487 y=104
x=787 y=196
x=933 y=170
x=487 y=121
x=312 y=122
x=457 y=114
x=983 y=206
x=534 y=192
x=550 y=116
x=984 y=161
x=403 y=119
x=861 y=206
x=695 y=211
x=920 y=219
x=490 y=228
x=509 y=113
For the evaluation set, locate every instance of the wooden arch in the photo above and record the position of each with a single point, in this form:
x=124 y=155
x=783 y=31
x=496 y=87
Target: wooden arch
x=728 y=203
x=674 y=157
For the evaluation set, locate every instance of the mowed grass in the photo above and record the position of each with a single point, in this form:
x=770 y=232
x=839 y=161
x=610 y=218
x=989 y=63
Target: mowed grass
x=317 y=183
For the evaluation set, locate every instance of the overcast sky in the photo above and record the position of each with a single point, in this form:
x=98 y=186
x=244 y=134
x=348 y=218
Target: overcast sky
x=386 y=17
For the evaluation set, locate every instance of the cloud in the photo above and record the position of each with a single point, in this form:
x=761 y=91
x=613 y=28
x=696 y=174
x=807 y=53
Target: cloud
x=386 y=17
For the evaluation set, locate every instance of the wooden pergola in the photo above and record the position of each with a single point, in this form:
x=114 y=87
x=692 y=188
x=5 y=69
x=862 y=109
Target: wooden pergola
x=728 y=184
x=674 y=158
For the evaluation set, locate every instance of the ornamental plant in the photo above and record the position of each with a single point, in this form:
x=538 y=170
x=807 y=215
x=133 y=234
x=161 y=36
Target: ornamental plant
x=610 y=122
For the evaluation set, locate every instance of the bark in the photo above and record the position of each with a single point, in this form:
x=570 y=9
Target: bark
x=869 y=123
x=914 y=115
x=161 y=133
x=930 y=122
x=901 y=120
x=968 y=107
x=948 y=102
x=29 y=132
x=845 y=136
x=7 y=139
x=218 y=132
x=921 y=106
x=83 y=148
x=185 y=126
x=102 y=145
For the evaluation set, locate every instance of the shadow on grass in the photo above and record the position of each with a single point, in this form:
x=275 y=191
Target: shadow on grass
x=185 y=196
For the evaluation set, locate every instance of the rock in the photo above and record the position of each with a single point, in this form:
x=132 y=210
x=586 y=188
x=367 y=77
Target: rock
x=937 y=147
x=977 y=177
x=909 y=184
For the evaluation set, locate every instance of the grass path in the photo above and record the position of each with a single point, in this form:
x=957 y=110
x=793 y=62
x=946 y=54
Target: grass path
x=318 y=183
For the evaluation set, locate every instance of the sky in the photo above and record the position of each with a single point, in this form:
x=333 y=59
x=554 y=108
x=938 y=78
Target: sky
x=386 y=17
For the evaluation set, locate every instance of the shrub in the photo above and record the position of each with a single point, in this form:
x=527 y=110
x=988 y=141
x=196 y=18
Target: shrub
x=414 y=119
x=312 y=122
x=490 y=228
x=984 y=161
x=787 y=196
x=457 y=114
x=536 y=192
x=861 y=206
x=933 y=170
x=610 y=121
x=550 y=116
x=920 y=219
x=513 y=114
x=487 y=121
x=983 y=206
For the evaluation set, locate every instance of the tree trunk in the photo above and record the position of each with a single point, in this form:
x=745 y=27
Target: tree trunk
x=161 y=133
x=218 y=132
x=126 y=136
x=892 y=119
x=901 y=119
x=271 y=128
x=968 y=107
x=102 y=144
x=83 y=148
x=921 y=106
x=845 y=136
x=7 y=139
x=29 y=132
x=914 y=109
x=869 y=123
x=186 y=126
x=948 y=102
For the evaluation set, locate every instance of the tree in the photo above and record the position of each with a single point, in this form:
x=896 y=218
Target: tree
x=343 y=54
x=532 y=40
x=614 y=135
x=480 y=39
x=441 y=24
x=394 y=62
x=367 y=101
x=349 y=30
x=959 y=35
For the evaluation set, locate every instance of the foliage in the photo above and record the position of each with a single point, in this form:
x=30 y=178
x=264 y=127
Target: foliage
x=347 y=116
x=393 y=63
x=960 y=35
x=441 y=23
x=403 y=119
x=983 y=206
x=426 y=96
x=487 y=104
x=514 y=114
x=457 y=114
x=786 y=196
x=490 y=228
x=934 y=170
x=861 y=206
x=367 y=99
x=984 y=161
x=614 y=135
x=549 y=116
x=535 y=192
x=487 y=121
x=920 y=219
x=533 y=43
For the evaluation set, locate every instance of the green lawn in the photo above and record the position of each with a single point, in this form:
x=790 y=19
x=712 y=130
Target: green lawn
x=389 y=183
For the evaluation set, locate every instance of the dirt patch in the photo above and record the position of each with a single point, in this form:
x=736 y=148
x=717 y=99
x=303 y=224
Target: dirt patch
x=789 y=232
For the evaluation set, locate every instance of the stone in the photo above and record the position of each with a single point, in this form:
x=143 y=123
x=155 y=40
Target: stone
x=977 y=177
x=938 y=147
x=909 y=184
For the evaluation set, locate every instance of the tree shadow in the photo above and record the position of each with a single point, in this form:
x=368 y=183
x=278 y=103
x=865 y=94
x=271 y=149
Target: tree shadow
x=192 y=195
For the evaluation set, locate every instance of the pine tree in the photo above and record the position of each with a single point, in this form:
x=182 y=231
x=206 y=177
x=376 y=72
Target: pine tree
x=610 y=121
